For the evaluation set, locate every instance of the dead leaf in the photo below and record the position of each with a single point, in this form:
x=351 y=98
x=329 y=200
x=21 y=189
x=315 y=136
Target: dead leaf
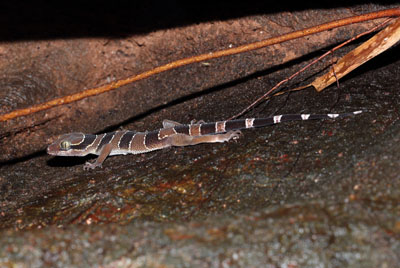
x=368 y=50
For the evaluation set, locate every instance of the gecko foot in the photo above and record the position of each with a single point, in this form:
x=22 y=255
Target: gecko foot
x=195 y=122
x=234 y=135
x=88 y=165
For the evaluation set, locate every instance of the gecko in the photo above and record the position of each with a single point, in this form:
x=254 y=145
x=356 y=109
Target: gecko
x=171 y=134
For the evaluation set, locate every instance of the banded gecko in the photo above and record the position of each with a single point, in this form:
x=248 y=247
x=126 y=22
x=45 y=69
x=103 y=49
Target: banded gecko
x=172 y=134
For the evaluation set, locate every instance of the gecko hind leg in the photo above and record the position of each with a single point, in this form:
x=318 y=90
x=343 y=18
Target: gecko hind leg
x=185 y=140
x=169 y=123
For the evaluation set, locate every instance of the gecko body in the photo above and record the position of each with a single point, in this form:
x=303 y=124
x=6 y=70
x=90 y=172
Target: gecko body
x=172 y=134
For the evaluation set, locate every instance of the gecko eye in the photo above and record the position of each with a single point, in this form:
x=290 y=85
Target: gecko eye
x=65 y=145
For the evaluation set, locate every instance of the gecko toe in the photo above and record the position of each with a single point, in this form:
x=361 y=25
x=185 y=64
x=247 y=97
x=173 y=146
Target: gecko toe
x=195 y=122
x=89 y=166
x=235 y=135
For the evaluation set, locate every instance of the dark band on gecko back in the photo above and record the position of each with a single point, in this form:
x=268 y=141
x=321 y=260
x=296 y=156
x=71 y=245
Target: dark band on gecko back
x=183 y=129
x=235 y=124
x=151 y=139
x=207 y=128
x=259 y=122
x=126 y=139
x=87 y=140
x=106 y=140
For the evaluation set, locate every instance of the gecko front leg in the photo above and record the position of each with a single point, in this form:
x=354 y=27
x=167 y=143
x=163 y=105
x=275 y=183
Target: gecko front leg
x=105 y=151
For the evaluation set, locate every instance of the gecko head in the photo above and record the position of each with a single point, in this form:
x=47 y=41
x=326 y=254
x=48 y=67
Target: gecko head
x=68 y=145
